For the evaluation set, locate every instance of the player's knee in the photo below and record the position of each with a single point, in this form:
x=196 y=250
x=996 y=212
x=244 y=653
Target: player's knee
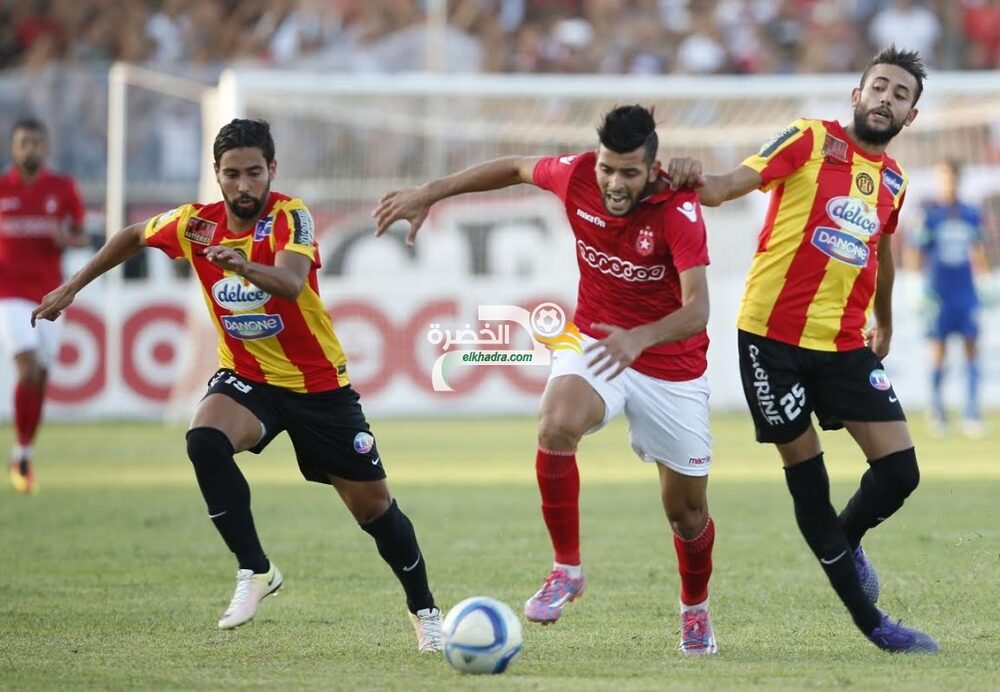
x=559 y=431
x=897 y=472
x=206 y=446
x=688 y=522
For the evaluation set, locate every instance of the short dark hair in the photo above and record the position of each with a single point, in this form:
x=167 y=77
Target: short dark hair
x=29 y=123
x=240 y=133
x=626 y=128
x=909 y=60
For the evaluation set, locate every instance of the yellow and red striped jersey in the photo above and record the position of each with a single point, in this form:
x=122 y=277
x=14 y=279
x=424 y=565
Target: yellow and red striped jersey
x=286 y=343
x=812 y=281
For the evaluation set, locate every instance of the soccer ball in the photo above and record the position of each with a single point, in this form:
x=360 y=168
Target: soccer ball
x=481 y=635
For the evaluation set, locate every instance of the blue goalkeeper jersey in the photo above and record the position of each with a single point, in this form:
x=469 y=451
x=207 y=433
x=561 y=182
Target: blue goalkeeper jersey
x=946 y=239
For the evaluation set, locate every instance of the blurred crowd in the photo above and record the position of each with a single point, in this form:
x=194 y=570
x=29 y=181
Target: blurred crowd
x=581 y=36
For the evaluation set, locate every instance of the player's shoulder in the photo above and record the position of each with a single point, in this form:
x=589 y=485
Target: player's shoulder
x=279 y=201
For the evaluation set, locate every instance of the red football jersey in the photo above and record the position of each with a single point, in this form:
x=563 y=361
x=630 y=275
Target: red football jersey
x=630 y=265
x=31 y=215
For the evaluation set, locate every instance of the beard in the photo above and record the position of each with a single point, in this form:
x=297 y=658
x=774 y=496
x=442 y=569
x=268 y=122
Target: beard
x=867 y=133
x=250 y=211
x=30 y=165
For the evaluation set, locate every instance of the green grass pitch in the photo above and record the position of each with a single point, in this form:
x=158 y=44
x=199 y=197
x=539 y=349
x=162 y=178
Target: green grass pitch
x=114 y=577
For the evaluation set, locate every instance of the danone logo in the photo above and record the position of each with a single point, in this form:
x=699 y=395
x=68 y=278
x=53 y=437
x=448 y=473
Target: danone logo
x=841 y=246
x=233 y=294
x=853 y=215
x=250 y=327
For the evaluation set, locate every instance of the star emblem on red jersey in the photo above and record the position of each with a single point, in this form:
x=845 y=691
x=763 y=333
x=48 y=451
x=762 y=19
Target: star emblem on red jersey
x=644 y=242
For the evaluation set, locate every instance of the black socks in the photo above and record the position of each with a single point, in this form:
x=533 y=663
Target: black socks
x=227 y=495
x=397 y=544
x=884 y=487
x=818 y=522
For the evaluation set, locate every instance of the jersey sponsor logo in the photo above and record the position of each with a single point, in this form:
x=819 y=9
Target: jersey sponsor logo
x=835 y=148
x=879 y=380
x=892 y=180
x=864 y=183
x=644 y=243
x=29 y=226
x=302 y=227
x=199 y=230
x=250 y=327
x=619 y=268
x=689 y=210
x=596 y=220
x=841 y=246
x=771 y=145
x=363 y=443
x=263 y=228
x=234 y=294
x=853 y=215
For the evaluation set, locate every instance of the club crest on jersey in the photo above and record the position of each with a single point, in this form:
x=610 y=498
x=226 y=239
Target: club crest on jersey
x=251 y=327
x=644 y=243
x=263 y=228
x=892 y=180
x=865 y=184
x=841 y=246
x=200 y=230
x=879 y=380
x=236 y=294
x=835 y=148
x=51 y=204
x=853 y=215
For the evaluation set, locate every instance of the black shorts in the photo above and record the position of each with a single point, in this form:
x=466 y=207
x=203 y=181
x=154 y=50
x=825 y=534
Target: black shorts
x=785 y=384
x=328 y=429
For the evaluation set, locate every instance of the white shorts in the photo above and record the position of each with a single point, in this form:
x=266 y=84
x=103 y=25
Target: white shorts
x=668 y=421
x=17 y=335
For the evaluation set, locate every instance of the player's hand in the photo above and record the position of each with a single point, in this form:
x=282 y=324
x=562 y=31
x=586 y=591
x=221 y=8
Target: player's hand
x=53 y=304
x=616 y=351
x=685 y=171
x=409 y=204
x=227 y=258
x=878 y=341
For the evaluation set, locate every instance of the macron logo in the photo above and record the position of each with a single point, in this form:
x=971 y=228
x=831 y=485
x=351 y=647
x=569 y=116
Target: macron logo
x=689 y=210
x=596 y=220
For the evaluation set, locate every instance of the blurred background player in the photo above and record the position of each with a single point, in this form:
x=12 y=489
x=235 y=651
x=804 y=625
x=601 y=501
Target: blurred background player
x=823 y=263
x=642 y=307
x=281 y=368
x=41 y=212
x=948 y=247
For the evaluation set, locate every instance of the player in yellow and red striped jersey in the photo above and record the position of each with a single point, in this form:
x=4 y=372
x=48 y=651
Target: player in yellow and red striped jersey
x=823 y=265
x=281 y=368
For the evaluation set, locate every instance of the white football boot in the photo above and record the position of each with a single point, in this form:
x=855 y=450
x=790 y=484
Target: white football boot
x=251 y=589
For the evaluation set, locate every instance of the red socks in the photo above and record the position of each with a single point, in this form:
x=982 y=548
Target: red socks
x=559 y=483
x=27 y=411
x=694 y=562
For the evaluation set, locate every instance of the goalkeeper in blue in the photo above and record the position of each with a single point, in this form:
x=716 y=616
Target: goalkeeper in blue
x=949 y=250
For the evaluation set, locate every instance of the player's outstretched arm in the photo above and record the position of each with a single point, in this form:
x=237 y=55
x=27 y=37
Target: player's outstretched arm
x=413 y=203
x=712 y=190
x=122 y=245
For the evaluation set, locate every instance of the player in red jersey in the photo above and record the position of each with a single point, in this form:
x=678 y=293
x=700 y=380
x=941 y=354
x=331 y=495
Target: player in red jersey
x=642 y=307
x=40 y=214
x=823 y=264
x=282 y=368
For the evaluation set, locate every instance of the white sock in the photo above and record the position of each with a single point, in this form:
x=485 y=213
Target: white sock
x=698 y=606
x=20 y=452
x=573 y=571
